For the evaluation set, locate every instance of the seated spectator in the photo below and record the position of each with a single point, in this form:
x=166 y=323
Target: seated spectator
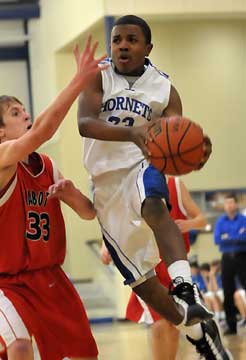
x=240 y=303
x=197 y=277
x=215 y=278
x=213 y=295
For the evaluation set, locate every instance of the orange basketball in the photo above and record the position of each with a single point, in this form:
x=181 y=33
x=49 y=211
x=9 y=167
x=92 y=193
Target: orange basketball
x=178 y=145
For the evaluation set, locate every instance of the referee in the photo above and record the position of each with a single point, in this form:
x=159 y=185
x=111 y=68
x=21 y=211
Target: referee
x=230 y=236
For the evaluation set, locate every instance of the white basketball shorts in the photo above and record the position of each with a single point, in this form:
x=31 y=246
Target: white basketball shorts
x=12 y=326
x=118 y=199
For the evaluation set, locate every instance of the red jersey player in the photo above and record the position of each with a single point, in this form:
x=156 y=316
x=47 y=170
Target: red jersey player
x=36 y=297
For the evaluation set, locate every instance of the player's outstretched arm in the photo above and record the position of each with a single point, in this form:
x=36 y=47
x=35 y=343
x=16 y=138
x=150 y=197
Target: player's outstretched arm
x=196 y=219
x=65 y=190
x=49 y=120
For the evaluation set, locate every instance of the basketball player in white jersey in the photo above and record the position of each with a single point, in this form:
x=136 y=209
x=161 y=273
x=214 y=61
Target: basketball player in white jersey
x=131 y=196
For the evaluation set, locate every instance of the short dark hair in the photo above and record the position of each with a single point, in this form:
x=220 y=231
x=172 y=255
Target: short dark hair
x=6 y=100
x=194 y=264
x=205 y=266
x=215 y=262
x=231 y=195
x=135 y=20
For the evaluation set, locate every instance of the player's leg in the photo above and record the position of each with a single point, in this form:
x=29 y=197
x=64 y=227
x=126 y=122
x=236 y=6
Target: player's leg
x=154 y=198
x=172 y=250
x=164 y=340
x=20 y=349
x=13 y=331
x=205 y=336
x=169 y=238
x=156 y=295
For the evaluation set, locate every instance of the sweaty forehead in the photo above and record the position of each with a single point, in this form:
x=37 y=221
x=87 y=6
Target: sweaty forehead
x=127 y=30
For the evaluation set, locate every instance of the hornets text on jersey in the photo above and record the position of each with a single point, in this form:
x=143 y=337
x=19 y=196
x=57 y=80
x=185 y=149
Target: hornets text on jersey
x=125 y=105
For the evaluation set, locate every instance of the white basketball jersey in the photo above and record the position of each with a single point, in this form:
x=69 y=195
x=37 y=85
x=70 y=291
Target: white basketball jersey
x=122 y=105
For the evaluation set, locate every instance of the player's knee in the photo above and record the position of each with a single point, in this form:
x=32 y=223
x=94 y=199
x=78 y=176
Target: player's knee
x=159 y=329
x=154 y=211
x=20 y=350
x=164 y=329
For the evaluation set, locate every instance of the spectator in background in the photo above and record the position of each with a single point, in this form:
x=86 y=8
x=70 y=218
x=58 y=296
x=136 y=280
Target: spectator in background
x=240 y=302
x=212 y=296
x=230 y=237
x=197 y=276
x=216 y=280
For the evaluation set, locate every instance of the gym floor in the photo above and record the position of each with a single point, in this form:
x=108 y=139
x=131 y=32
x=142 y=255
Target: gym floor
x=127 y=341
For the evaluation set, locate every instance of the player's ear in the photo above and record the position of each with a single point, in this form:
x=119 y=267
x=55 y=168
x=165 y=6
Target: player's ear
x=149 y=47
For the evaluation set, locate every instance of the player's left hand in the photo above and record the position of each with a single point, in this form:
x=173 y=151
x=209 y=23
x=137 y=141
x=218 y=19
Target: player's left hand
x=60 y=189
x=87 y=65
x=207 y=150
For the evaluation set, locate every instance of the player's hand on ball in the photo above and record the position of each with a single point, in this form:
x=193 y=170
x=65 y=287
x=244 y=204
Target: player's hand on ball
x=140 y=135
x=207 y=148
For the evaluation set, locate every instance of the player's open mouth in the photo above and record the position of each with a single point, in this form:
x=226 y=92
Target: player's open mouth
x=123 y=59
x=29 y=127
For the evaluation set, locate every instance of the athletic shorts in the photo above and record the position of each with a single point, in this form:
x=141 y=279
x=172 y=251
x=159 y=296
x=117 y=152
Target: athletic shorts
x=118 y=199
x=44 y=304
x=137 y=310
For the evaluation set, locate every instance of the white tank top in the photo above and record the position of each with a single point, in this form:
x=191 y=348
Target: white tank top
x=126 y=106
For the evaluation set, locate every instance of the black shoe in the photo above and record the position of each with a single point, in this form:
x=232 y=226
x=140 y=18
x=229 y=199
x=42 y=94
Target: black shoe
x=187 y=296
x=210 y=346
x=230 y=332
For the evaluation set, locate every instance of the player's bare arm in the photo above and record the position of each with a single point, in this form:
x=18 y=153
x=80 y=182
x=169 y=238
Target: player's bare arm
x=174 y=105
x=196 y=219
x=18 y=148
x=65 y=190
x=91 y=126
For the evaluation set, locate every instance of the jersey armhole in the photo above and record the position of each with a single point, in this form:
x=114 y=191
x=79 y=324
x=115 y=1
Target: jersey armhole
x=5 y=195
x=55 y=171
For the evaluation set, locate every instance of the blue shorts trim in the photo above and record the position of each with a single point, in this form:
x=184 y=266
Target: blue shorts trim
x=154 y=184
x=125 y=272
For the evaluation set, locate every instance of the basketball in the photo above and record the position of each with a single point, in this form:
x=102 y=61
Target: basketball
x=177 y=145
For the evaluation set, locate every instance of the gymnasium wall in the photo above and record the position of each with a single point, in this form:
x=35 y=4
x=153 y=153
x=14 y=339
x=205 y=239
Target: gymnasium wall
x=177 y=8
x=13 y=74
x=206 y=61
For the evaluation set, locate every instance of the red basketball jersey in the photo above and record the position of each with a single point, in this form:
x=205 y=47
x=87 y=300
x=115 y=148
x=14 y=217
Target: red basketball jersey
x=31 y=226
